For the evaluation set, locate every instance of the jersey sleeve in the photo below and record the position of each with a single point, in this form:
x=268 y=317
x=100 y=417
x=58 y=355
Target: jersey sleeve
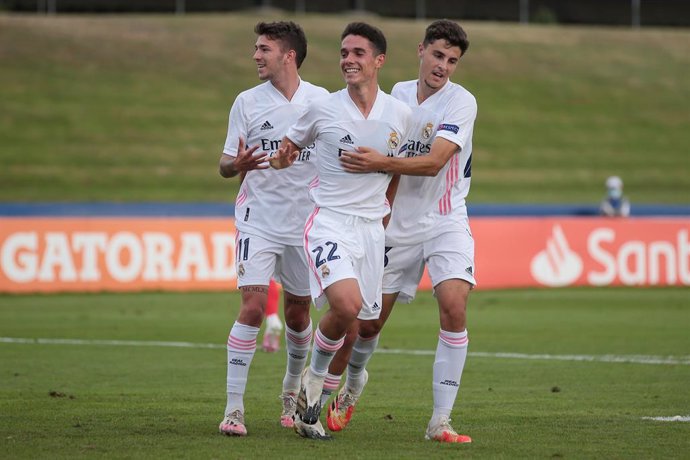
x=237 y=127
x=458 y=121
x=303 y=132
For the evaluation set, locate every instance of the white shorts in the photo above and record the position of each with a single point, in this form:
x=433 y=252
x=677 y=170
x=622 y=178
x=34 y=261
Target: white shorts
x=448 y=256
x=340 y=246
x=257 y=260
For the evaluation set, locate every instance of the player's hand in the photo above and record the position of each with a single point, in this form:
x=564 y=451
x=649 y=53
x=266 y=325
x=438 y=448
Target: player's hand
x=362 y=160
x=246 y=160
x=283 y=157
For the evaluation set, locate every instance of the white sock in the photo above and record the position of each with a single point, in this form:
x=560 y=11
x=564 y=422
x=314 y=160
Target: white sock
x=241 y=348
x=297 y=345
x=331 y=384
x=322 y=353
x=451 y=353
x=362 y=351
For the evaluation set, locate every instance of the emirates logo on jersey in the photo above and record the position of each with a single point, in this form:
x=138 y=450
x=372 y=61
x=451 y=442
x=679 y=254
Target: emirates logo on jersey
x=267 y=125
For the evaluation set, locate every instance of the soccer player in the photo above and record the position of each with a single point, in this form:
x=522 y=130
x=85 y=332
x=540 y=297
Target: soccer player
x=269 y=229
x=344 y=235
x=428 y=225
x=615 y=204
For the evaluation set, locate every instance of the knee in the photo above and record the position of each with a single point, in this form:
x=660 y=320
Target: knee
x=252 y=310
x=297 y=312
x=369 y=329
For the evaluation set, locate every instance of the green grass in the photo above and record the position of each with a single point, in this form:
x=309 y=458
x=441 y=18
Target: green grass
x=151 y=402
x=134 y=108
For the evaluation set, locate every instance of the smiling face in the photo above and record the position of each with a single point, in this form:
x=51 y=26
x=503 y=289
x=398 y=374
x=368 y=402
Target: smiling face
x=438 y=61
x=269 y=57
x=359 y=61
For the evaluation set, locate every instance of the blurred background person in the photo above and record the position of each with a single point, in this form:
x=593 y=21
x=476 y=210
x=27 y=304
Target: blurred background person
x=274 y=325
x=615 y=204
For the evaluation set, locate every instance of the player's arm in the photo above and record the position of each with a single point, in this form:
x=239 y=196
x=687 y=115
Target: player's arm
x=366 y=159
x=391 y=191
x=285 y=155
x=246 y=160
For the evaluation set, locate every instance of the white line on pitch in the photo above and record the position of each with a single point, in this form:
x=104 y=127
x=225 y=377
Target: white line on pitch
x=675 y=418
x=636 y=359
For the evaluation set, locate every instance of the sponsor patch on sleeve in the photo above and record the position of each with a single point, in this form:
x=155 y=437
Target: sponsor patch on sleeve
x=448 y=127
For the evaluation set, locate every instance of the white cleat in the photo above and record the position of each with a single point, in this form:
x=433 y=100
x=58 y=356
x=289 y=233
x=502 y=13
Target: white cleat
x=308 y=411
x=443 y=432
x=313 y=431
x=289 y=406
x=233 y=424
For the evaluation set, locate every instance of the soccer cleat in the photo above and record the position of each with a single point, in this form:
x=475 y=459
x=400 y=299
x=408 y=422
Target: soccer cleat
x=343 y=406
x=233 y=424
x=313 y=431
x=274 y=328
x=289 y=405
x=308 y=410
x=443 y=432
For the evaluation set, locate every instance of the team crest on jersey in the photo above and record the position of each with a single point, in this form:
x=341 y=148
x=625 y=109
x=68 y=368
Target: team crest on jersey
x=428 y=129
x=325 y=271
x=240 y=270
x=393 y=141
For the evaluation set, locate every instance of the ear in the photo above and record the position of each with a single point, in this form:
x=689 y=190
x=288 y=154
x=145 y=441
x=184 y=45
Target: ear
x=380 y=60
x=290 y=56
x=420 y=50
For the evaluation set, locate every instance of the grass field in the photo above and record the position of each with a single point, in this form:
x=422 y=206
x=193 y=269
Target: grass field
x=132 y=108
x=135 y=401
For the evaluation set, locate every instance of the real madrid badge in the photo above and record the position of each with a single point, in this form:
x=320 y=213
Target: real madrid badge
x=428 y=129
x=393 y=141
x=325 y=271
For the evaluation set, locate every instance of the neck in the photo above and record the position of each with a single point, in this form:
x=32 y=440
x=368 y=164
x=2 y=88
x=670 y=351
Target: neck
x=287 y=85
x=424 y=91
x=364 y=96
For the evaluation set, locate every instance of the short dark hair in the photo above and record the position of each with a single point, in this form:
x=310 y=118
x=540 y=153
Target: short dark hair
x=371 y=33
x=449 y=31
x=289 y=33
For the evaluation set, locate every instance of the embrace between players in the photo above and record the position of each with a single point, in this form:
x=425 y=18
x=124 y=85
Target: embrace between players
x=322 y=173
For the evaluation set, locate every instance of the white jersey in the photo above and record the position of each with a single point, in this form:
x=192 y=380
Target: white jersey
x=272 y=204
x=335 y=124
x=425 y=207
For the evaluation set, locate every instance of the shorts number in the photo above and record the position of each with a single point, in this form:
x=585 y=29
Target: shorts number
x=331 y=254
x=243 y=252
x=385 y=256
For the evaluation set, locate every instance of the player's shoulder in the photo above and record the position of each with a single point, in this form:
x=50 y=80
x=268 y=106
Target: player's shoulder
x=404 y=87
x=456 y=91
x=255 y=92
x=397 y=107
x=314 y=90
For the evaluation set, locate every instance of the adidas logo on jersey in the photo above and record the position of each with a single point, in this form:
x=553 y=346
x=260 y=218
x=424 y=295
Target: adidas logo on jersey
x=266 y=125
x=347 y=140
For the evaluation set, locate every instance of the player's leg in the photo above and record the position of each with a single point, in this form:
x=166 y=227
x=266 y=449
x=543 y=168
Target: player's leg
x=335 y=245
x=403 y=268
x=339 y=363
x=361 y=346
x=451 y=268
x=254 y=267
x=293 y=272
x=274 y=325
